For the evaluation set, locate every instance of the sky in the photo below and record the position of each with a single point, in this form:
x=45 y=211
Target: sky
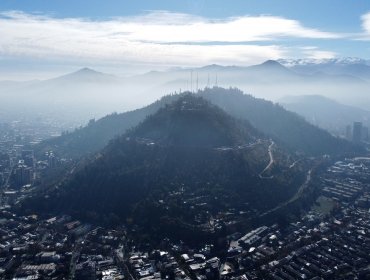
x=45 y=38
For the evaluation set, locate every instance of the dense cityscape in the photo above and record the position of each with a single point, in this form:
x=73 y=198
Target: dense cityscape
x=184 y=140
x=329 y=241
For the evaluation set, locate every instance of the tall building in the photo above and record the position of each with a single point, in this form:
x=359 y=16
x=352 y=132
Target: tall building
x=357 y=132
x=23 y=174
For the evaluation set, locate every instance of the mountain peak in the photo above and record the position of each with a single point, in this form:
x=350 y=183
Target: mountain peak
x=272 y=67
x=87 y=70
x=272 y=63
x=87 y=75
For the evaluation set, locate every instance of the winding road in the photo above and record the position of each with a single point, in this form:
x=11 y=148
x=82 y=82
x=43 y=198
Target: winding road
x=271 y=162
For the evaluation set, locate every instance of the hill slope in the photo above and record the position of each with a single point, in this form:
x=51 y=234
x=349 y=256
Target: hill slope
x=284 y=126
x=187 y=155
x=193 y=121
x=97 y=134
x=326 y=112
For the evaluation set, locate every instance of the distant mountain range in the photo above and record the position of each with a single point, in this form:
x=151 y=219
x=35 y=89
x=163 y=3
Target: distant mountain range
x=355 y=67
x=87 y=93
x=323 y=61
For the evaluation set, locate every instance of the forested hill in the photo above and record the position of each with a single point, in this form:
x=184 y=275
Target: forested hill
x=289 y=128
x=189 y=146
x=282 y=125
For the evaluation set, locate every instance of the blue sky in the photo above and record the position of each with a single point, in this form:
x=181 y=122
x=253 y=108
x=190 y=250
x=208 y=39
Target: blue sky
x=46 y=37
x=337 y=15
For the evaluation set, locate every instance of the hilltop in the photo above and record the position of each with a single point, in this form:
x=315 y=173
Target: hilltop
x=189 y=147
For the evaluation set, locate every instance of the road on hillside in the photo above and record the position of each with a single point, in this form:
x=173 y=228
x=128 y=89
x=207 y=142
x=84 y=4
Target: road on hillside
x=271 y=162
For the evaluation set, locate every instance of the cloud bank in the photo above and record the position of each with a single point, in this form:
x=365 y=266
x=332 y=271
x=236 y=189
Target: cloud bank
x=157 y=37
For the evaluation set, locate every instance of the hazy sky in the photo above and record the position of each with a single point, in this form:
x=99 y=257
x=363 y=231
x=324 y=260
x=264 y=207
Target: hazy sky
x=43 y=38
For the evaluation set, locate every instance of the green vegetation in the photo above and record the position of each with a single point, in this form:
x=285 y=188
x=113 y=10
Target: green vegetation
x=190 y=147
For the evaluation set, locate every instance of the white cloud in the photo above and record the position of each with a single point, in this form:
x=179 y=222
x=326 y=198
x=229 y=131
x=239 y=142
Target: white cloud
x=365 y=34
x=164 y=27
x=154 y=38
x=366 y=23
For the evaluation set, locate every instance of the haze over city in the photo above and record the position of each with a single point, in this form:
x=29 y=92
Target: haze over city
x=184 y=140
